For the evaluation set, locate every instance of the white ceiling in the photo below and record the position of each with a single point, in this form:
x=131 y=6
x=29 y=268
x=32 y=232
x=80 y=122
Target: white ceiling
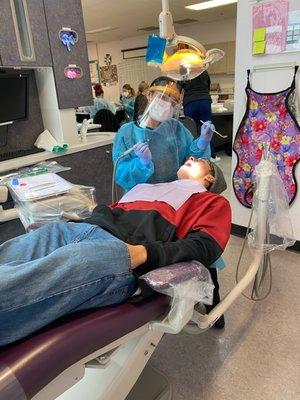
x=130 y=15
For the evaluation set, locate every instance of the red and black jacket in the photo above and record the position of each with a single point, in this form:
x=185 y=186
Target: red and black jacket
x=198 y=230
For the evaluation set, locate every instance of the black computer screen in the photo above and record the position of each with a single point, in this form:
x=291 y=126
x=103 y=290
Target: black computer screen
x=13 y=97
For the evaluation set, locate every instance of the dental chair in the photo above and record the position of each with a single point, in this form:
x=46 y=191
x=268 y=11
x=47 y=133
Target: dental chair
x=109 y=347
x=101 y=354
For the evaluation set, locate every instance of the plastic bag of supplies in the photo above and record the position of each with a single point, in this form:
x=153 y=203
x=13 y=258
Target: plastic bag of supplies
x=278 y=234
x=48 y=198
x=43 y=167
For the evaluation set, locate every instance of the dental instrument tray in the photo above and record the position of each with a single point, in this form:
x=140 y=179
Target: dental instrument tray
x=37 y=187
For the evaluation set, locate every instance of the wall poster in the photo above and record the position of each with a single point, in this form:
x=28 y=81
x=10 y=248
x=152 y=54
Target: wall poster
x=293 y=31
x=276 y=26
x=269 y=21
x=109 y=75
x=94 y=71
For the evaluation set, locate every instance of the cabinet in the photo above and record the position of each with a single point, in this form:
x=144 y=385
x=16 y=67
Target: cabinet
x=91 y=168
x=12 y=43
x=227 y=64
x=71 y=93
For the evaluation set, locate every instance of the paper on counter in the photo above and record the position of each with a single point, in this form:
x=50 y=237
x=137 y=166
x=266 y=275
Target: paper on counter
x=46 y=141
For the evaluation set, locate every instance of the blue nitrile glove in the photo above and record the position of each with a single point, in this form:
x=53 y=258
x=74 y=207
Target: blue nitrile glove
x=142 y=151
x=206 y=135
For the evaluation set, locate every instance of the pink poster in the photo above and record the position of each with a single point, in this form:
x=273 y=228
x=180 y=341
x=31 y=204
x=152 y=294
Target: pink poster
x=274 y=17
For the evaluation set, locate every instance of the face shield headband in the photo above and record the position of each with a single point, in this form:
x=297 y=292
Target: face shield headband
x=164 y=103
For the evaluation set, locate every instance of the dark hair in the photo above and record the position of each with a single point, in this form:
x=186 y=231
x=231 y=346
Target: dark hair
x=98 y=90
x=164 y=80
x=130 y=89
x=143 y=85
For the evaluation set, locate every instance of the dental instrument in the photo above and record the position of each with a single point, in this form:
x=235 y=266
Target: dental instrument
x=222 y=136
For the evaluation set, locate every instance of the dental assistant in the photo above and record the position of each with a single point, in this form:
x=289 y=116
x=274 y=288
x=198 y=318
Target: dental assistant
x=161 y=142
x=128 y=99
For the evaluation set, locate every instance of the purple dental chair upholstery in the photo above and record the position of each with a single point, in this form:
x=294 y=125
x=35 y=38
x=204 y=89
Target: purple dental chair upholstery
x=30 y=364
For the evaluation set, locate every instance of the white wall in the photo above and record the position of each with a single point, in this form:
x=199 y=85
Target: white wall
x=262 y=81
x=213 y=32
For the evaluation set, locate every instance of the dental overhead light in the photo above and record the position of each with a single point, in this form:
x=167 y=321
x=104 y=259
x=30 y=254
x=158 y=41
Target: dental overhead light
x=182 y=58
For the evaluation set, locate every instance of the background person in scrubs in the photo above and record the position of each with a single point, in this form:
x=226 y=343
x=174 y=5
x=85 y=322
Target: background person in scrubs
x=127 y=99
x=99 y=102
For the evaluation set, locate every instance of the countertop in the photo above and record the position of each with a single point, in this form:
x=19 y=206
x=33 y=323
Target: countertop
x=96 y=140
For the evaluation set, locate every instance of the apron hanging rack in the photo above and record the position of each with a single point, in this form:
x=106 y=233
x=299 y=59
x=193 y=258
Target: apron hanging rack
x=274 y=66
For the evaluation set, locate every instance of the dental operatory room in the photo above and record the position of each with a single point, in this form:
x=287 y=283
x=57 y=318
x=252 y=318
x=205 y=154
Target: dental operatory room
x=149 y=199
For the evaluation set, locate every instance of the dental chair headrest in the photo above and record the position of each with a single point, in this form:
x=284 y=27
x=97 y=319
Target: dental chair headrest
x=219 y=184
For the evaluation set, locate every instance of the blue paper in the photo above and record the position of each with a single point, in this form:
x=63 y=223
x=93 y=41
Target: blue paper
x=155 y=49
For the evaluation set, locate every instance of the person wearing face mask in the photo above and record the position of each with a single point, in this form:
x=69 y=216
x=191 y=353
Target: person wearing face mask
x=127 y=99
x=99 y=103
x=161 y=142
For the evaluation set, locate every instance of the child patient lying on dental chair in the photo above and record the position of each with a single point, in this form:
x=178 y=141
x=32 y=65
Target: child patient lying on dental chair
x=64 y=267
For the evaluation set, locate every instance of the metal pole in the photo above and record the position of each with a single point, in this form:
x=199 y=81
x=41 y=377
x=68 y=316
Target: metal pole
x=165 y=6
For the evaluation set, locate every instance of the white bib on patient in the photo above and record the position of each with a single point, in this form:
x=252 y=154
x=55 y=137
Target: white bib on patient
x=173 y=193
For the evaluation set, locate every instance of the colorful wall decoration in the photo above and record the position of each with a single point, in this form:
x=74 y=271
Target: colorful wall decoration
x=109 y=75
x=270 y=21
x=276 y=26
x=109 y=72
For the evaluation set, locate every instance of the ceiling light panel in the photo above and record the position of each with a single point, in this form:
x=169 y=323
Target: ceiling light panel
x=210 y=4
x=104 y=29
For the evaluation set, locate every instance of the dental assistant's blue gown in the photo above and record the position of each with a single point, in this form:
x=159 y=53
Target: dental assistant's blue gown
x=171 y=143
x=128 y=103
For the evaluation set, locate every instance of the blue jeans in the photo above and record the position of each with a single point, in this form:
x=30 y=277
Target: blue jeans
x=200 y=110
x=58 y=269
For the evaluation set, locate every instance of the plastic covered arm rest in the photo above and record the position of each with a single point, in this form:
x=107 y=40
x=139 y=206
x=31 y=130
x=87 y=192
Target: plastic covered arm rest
x=187 y=283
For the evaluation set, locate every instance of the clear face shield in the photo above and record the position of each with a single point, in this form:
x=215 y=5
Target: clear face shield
x=164 y=103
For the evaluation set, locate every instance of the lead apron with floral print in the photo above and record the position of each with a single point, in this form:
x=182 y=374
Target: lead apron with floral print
x=268 y=119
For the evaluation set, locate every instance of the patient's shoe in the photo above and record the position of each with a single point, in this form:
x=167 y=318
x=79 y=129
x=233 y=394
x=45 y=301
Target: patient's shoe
x=205 y=309
x=220 y=323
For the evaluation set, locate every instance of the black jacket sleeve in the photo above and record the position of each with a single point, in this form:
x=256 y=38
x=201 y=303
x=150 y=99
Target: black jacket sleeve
x=197 y=246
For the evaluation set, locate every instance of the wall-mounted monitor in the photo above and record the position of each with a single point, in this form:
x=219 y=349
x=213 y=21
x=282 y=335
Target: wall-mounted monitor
x=13 y=97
